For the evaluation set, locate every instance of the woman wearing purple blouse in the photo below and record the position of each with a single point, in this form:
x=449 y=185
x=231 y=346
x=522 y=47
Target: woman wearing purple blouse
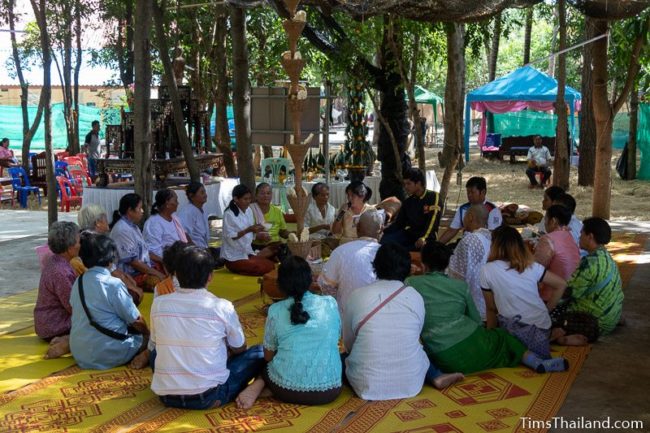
x=53 y=312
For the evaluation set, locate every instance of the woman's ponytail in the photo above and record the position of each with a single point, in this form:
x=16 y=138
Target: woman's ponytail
x=298 y=314
x=294 y=279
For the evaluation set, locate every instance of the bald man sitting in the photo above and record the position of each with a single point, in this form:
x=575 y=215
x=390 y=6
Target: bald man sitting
x=350 y=265
x=471 y=253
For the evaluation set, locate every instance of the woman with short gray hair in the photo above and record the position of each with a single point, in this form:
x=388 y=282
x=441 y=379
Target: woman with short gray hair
x=93 y=217
x=53 y=311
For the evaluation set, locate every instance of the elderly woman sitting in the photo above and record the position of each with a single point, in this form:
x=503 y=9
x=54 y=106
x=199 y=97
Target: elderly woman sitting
x=131 y=248
x=52 y=312
x=320 y=213
x=93 y=218
x=107 y=329
x=268 y=215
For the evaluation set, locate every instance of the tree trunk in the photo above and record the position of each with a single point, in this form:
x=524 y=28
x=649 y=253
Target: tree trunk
x=415 y=113
x=393 y=110
x=67 y=73
x=221 y=99
x=527 y=34
x=241 y=97
x=562 y=161
x=41 y=19
x=141 y=105
x=587 y=149
x=494 y=50
x=604 y=113
x=604 y=124
x=551 y=61
x=634 y=123
x=28 y=132
x=408 y=79
x=493 y=58
x=454 y=98
x=77 y=69
x=170 y=80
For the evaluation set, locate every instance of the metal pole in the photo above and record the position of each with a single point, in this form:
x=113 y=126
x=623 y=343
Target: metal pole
x=326 y=131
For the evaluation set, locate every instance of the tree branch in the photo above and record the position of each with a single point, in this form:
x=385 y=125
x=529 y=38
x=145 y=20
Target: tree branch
x=634 y=66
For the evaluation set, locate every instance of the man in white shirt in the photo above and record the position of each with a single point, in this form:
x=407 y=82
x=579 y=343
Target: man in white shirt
x=539 y=158
x=200 y=359
x=350 y=265
x=476 y=188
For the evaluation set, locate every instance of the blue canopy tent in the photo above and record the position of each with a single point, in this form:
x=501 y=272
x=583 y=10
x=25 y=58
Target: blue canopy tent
x=524 y=88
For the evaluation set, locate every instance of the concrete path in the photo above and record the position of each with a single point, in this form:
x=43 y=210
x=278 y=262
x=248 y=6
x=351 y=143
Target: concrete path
x=21 y=231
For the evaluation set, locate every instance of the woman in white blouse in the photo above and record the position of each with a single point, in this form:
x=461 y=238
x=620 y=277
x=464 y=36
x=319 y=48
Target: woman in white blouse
x=320 y=213
x=163 y=228
x=239 y=229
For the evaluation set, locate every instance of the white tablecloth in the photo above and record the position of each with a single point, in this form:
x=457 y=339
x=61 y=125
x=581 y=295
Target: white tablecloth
x=109 y=198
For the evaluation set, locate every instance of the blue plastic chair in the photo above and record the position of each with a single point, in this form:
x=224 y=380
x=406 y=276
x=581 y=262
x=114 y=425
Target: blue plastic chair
x=20 y=183
x=61 y=169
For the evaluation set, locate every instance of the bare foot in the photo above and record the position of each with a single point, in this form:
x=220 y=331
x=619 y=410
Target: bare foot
x=59 y=346
x=573 y=340
x=140 y=361
x=444 y=380
x=246 y=398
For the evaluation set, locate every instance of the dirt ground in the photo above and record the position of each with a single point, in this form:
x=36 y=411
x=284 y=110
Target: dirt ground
x=508 y=183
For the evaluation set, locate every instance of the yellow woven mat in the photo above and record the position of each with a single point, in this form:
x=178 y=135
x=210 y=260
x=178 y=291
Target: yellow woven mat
x=17 y=311
x=120 y=400
x=55 y=395
x=494 y=400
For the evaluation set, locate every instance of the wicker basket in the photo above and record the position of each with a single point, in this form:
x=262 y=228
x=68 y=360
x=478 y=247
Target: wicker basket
x=293 y=68
x=293 y=30
x=300 y=249
x=297 y=153
x=292 y=6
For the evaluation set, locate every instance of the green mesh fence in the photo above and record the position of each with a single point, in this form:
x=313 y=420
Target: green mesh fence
x=524 y=123
x=11 y=125
x=643 y=141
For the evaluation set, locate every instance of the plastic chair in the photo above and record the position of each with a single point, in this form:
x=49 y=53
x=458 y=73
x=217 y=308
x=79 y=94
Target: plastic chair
x=61 y=168
x=79 y=176
x=275 y=171
x=68 y=193
x=20 y=183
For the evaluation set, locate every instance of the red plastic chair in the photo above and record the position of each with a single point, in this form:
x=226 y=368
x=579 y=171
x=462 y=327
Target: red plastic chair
x=68 y=192
x=79 y=176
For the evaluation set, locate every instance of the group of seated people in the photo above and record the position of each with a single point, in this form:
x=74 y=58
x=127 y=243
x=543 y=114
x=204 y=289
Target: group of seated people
x=490 y=300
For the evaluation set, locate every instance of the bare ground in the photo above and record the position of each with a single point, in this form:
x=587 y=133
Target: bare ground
x=508 y=183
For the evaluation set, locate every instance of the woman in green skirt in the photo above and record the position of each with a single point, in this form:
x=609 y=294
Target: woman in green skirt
x=453 y=335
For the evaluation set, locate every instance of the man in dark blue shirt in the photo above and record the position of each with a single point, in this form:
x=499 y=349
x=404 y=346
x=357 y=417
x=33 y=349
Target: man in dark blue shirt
x=418 y=219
